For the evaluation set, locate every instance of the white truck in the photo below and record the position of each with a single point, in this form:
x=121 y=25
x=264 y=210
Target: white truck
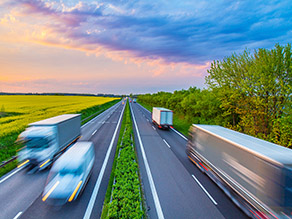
x=254 y=173
x=45 y=140
x=162 y=117
x=69 y=174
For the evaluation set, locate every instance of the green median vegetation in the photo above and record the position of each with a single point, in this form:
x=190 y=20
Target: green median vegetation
x=124 y=195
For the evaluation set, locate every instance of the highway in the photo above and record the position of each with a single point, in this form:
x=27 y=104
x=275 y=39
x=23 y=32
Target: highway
x=174 y=187
x=21 y=190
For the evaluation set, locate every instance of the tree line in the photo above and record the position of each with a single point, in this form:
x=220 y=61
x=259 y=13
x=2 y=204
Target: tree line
x=249 y=92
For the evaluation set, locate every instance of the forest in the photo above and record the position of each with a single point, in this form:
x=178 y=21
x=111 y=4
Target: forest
x=250 y=92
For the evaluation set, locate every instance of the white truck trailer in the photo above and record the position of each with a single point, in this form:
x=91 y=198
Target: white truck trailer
x=46 y=139
x=162 y=117
x=255 y=174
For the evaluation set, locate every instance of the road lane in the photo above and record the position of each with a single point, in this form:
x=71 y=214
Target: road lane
x=177 y=145
x=179 y=195
x=20 y=191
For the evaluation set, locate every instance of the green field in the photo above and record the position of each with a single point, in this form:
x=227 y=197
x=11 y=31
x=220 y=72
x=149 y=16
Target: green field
x=17 y=111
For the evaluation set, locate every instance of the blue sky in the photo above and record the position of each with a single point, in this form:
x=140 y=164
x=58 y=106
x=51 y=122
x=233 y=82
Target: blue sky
x=129 y=46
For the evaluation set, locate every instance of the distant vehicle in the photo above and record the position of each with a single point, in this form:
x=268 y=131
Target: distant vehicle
x=255 y=174
x=45 y=140
x=134 y=100
x=69 y=174
x=162 y=117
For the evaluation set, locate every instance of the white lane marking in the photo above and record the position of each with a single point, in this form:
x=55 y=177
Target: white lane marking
x=179 y=134
x=148 y=171
x=114 y=107
x=147 y=120
x=202 y=187
x=18 y=215
x=11 y=174
x=103 y=122
x=166 y=143
x=101 y=173
x=144 y=108
x=153 y=127
x=94 y=132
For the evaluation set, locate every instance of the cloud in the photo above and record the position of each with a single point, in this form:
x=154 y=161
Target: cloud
x=177 y=32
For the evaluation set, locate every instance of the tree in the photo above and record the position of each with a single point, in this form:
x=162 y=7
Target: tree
x=255 y=89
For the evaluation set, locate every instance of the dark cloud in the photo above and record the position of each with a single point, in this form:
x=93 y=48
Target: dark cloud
x=182 y=31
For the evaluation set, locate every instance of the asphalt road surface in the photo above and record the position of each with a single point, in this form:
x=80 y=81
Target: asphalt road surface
x=174 y=187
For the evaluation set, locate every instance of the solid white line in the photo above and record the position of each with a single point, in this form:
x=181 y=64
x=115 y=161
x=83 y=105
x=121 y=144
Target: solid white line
x=17 y=216
x=11 y=174
x=153 y=127
x=101 y=173
x=202 y=187
x=151 y=182
x=144 y=108
x=166 y=143
x=179 y=134
x=94 y=132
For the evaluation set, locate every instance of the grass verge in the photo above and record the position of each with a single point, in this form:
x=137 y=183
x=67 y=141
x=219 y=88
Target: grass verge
x=124 y=194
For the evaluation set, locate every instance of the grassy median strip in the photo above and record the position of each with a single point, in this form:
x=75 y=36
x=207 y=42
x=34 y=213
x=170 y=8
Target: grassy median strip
x=124 y=195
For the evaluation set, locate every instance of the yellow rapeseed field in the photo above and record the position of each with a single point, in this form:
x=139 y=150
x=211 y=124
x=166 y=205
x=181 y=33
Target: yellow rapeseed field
x=20 y=110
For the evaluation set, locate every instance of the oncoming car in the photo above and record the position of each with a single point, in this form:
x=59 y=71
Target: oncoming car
x=69 y=174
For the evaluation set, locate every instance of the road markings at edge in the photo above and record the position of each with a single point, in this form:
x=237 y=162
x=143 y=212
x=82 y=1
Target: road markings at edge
x=101 y=173
x=18 y=215
x=166 y=143
x=153 y=127
x=11 y=174
x=94 y=132
x=151 y=182
x=179 y=134
x=202 y=187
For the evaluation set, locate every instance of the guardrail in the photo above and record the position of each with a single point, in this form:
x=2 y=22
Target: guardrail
x=4 y=163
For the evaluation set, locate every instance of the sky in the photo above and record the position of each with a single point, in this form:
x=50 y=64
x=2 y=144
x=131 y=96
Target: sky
x=122 y=46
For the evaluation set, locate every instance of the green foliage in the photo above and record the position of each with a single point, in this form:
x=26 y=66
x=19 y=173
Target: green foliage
x=255 y=92
x=125 y=190
x=189 y=106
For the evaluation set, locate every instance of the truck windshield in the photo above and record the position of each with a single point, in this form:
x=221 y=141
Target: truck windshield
x=75 y=172
x=37 y=142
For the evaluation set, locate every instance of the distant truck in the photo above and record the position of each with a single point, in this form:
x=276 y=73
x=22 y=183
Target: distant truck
x=162 y=117
x=69 y=174
x=46 y=139
x=255 y=174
